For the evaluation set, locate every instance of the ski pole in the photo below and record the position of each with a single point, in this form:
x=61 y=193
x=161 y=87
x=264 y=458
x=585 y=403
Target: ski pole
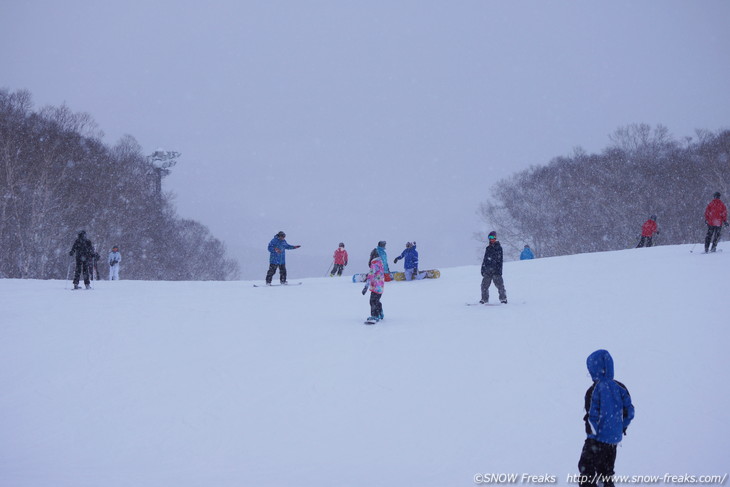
x=329 y=268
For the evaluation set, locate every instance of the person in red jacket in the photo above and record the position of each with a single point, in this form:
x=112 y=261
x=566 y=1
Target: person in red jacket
x=715 y=217
x=648 y=230
x=340 y=260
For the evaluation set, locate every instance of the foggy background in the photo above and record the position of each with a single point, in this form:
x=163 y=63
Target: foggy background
x=356 y=122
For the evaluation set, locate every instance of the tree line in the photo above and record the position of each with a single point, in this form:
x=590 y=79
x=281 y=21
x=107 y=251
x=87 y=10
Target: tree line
x=57 y=177
x=598 y=202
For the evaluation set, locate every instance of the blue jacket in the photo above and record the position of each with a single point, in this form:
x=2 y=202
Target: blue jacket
x=384 y=258
x=527 y=254
x=410 y=254
x=608 y=403
x=278 y=257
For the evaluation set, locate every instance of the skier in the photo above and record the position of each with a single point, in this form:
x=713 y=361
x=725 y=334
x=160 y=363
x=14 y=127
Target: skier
x=608 y=413
x=340 y=257
x=648 y=230
x=384 y=257
x=115 y=258
x=84 y=250
x=375 y=283
x=492 y=269
x=715 y=217
x=410 y=254
x=526 y=253
x=94 y=269
x=277 y=259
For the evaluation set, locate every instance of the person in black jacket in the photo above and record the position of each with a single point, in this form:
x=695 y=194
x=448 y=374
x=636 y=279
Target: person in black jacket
x=84 y=250
x=492 y=269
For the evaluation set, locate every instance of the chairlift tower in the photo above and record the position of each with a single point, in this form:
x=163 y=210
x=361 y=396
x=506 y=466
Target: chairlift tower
x=162 y=161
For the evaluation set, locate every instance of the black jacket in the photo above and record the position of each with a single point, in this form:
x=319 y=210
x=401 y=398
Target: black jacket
x=83 y=248
x=492 y=263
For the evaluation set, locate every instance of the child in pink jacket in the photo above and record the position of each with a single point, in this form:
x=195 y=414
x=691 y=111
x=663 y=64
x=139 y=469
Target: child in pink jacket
x=376 y=283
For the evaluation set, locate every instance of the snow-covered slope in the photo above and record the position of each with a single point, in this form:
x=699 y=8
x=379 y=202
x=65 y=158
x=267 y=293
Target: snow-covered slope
x=223 y=384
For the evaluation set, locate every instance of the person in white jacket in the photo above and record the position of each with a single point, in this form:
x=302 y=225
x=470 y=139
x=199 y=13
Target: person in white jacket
x=114 y=259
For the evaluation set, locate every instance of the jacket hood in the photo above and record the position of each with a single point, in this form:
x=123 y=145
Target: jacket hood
x=600 y=365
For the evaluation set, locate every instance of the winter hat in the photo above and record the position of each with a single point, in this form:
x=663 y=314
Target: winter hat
x=381 y=243
x=492 y=235
x=82 y=233
x=652 y=217
x=716 y=195
x=342 y=245
x=409 y=245
x=281 y=234
x=115 y=248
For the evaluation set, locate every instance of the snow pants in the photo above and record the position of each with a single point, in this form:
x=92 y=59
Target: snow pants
x=713 y=235
x=85 y=267
x=114 y=272
x=376 y=308
x=645 y=242
x=337 y=269
x=272 y=271
x=498 y=282
x=412 y=274
x=596 y=463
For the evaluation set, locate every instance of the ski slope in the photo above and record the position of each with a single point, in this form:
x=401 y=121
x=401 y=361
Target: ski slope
x=224 y=384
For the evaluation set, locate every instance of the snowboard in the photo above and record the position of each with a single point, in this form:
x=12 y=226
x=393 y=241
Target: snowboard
x=275 y=285
x=370 y=322
x=398 y=276
x=485 y=304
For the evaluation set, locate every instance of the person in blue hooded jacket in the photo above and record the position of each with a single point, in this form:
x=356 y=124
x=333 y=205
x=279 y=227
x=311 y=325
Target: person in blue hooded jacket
x=410 y=266
x=277 y=257
x=526 y=253
x=609 y=412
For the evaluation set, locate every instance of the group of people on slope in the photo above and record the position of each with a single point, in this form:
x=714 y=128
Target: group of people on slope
x=87 y=258
x=715 y=218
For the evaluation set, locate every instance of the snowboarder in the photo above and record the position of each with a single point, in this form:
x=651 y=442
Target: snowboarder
x=84 y=250
x=648 y=230
x=608 y=413
x=492 y=269
x=715 y=217
x=526 y=253
x=375 y=283
x=115 y=258
x=340 y=257
x=383 y=256
x=277 y=258
x=410 y=254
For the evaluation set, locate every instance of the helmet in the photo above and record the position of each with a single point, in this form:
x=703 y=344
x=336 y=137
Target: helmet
x=281 y=234
x=492 y=235
x=716 y=195
x=341 y=244
x=381 y=243
x=652 y=217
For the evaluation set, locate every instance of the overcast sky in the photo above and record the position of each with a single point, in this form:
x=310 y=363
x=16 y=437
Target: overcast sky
x=360 y=121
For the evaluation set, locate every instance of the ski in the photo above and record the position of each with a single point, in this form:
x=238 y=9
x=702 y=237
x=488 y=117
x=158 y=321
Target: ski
x=275 y=285
x=370 y=322
x=485 y=304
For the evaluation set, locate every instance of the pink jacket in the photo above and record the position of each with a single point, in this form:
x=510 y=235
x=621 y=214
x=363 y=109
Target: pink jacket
x=376 y=276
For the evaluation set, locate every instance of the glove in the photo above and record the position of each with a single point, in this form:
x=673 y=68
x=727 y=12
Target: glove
x=396 y=260
x=624 y=431
x=657 y=232
x=365 y=289
x=726 y=224
x=71 y=254
x=297 y=246
x=113 y=263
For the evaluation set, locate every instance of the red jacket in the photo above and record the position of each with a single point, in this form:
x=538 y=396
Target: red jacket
x=649 y=228
x=340 y=256
x=716 y=213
